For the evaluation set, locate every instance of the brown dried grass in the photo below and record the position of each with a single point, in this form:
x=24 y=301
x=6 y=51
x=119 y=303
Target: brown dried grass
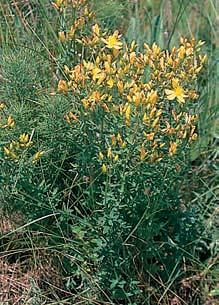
x=24 y=271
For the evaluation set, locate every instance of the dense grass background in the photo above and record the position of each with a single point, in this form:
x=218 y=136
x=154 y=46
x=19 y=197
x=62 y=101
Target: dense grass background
x=38 y=246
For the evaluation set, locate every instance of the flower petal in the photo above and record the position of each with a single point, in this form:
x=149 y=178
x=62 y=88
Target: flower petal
x=168 y=92
x=175 y=83
x=171 y=97
x=181 y=99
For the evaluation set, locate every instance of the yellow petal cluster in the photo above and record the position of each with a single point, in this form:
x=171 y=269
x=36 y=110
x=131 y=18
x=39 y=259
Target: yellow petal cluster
x=14 y=150
x=144 y=99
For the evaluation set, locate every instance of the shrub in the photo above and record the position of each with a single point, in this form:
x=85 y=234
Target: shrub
x=109 y=156
x=133 y=116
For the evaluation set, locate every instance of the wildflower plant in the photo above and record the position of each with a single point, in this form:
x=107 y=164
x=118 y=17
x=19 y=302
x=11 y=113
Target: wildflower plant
x=133 y=117
x=107 y=154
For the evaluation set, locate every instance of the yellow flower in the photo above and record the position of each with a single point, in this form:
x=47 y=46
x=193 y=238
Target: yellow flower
x=58 y=3
x=153 y=112
x=62 y=86
x=101 y=78
x=193 y=95
x=155 y=122
x=72 y=116
x=177 y=92
x=149 y=136
x=95 y=96
x=109 y=153
x=145 y=118
x=101 y=156
x=132 y=58
x=113 y=139
x=159 y=112
x=62 y=36
x=168 y=129
x=88 y=65
x=112 y=42
x=6 y=151
x=107 y=67
x=119 y=139
x=162 y=64
x=181 y=52
x=96 y=73
x=194 y=137
x=104 y=168
x=153 y=97
x=116 y=158
x=203 y=58
x=133 y=45
x=2 y=106
x=37 y=156
x=142 y=153
x=110 y=82
x=10 y=121
x=137 y=99
x=71 y=32
x=172 y=148
x=10 y=153
x=96 y=29
x=24 y=138
x=123 y=145
x=85 y=103
x=155 y=49
x=105 y=107
x=127 y=112
x=170 y=61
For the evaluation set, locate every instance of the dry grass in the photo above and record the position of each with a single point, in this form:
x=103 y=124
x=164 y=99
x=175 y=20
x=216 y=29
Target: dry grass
x=26 y=275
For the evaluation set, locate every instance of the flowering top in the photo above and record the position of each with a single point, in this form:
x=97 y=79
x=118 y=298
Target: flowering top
x=145 y=97
x=112 y=42
x=176 y=93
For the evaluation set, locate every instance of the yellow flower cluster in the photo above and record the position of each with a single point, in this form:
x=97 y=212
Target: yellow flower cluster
x=151 y=93
x=83 y=16
x=14 y=149
x=113 y=152
x=5 y=121
x=61 y=4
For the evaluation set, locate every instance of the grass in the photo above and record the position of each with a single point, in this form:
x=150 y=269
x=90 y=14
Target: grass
x=47 y=244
